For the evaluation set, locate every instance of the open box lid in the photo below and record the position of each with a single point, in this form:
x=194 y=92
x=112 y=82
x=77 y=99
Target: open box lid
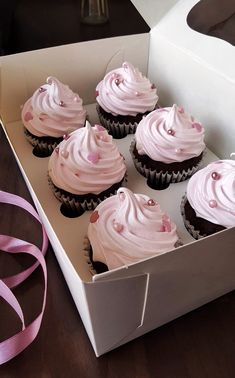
x=153 y=10
x=196 y=71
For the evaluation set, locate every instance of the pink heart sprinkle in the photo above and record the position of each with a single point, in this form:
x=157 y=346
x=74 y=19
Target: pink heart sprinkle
x=28 y=117
x=102 y=137
x=166 y=225
x=181 y=110
x=197 y=126
x=99 y=128
x=93 y=157
x=114 y=75
x=94 y=216
x=118 y=227
x=96 y=93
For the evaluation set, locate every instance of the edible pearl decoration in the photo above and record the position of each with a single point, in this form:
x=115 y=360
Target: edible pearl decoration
x=171 y=132
x=66 y=136
x=212 y=203
x=64 y=153
x=215 y=175
x=178 y=150
x=61 y=103
x=117 y=81
x=41 y=89
x=151 y=202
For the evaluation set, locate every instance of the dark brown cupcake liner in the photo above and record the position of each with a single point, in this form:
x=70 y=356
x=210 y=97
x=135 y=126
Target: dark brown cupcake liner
x=93 y=266
x=73 y=205
x=192 y=228
x=116 y=128
x=42 y=146
x=160 y=179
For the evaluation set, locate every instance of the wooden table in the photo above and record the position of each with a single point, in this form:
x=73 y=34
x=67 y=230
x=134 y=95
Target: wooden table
x=199 y=344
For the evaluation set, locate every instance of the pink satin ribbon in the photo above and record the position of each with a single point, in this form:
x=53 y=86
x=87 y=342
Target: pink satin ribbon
x=14 y=345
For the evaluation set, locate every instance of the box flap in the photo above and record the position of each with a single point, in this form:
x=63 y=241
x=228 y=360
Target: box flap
x=185 y=279
x=117 y=309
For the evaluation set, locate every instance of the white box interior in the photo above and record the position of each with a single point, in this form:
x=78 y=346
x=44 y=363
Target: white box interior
x=122 y=304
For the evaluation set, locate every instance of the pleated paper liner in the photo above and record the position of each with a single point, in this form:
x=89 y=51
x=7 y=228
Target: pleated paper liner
x=159 y=179
x=73 y=205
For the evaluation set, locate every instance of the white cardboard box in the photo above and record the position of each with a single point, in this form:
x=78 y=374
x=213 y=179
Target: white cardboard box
x=125 y=303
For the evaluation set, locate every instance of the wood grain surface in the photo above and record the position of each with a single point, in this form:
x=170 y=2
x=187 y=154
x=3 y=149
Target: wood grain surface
x=197 y=345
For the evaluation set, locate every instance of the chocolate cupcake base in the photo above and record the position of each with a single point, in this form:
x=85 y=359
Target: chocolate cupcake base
x=160 y=175
x=95 y=267
x=196 y=226
x=73 y=205
x=119 y=126
x=42 y=146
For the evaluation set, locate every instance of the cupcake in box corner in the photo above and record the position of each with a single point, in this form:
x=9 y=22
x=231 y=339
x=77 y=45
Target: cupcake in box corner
x=209 y=204
x=127 y=228
x=168 y=146
x=123 y=97
x=84 y=169
x=54 y=110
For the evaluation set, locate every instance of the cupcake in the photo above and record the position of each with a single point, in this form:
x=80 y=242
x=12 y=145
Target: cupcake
x=127 y=228
x=53 y=111
x=209 y=204
x=168 y=146
x=85 y=169
x=123 y=97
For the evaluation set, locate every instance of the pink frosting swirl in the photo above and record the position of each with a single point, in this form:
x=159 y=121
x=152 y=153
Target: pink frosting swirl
x=86 y=161
x=125 y=91
x=211 y=193
x=130 y=227
x=169 y=135
x=53 y=110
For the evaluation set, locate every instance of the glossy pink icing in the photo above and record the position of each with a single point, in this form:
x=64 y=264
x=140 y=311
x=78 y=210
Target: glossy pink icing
x=130 y=227
x=87 y=161
x=169 y=135
x=53 y=110
x=125 y=91
x=211 y=192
